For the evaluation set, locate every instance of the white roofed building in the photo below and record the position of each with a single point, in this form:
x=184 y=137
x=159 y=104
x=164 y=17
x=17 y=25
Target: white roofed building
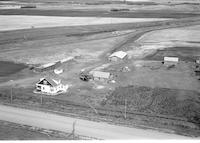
x=119 y=55
x=99 y=75
x=170 y=61
x=198 y=61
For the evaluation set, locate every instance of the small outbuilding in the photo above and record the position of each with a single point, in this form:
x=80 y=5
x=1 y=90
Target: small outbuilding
x=47 y=67
x=168 y=61
x=50 y=86
x=99 y=75
x=119 y=55
x=58 y=71
x=198 y=61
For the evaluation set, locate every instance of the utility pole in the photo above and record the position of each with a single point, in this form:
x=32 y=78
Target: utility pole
x=125 y=104
x=92 y=107
x=41 y=99
x=11 y=92
x=73 y=131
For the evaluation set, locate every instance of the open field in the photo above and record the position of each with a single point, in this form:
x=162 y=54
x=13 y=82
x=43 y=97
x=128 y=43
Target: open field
x=155 y=96
x=150 y=42
x=14 y=22
x=100 y=13
x=105 y=6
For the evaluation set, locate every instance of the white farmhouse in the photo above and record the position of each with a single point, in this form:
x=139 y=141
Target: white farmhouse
x=119 y=55
x=50 y=86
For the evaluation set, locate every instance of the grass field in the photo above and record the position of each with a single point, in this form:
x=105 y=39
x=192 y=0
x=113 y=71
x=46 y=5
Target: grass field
x=14 y=22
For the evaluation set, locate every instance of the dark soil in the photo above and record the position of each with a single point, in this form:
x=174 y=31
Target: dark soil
x=84 y=13
x=8 y=68
x=188 y=54
x=176 y=103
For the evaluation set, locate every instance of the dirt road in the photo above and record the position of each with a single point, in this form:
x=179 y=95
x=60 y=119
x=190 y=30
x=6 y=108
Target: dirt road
x=82 y=127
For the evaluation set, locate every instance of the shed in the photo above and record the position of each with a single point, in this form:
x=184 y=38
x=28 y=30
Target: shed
x=47 y=67
x=58 y=71
x=170 y=61
x=198 y=61
x=119 y=55
x=98 y=75
x=197 y=72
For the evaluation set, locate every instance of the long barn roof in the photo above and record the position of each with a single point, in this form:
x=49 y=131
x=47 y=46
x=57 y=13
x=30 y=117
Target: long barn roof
x=119 y=54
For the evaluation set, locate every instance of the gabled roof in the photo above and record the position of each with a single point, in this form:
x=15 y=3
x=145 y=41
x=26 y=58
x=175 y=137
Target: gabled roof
x=51 y=81
x=101 y=74
x=119 y=54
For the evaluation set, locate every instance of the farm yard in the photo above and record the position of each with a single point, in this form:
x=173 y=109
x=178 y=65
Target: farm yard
x=137 y=89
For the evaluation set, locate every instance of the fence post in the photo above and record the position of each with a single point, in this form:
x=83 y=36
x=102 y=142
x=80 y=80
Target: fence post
x=125 y=108
x=11 y=95
x=11 y=92
x=41 y=99
x=73 y=131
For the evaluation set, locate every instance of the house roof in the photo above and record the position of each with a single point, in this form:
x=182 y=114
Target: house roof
x=119 y=54
x=51 y=81
x=46 y=65
x=101 y=74
x=171 y=59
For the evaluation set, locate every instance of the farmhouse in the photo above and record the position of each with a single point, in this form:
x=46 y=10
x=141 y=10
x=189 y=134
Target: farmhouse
x=98 y=75
x=119 y=55
x=50 y=86
x=170 y=61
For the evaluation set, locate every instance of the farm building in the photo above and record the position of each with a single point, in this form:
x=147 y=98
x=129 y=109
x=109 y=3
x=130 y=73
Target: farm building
x=197 y=71
x=58 y=71
x=50 y=86
x=119 y=55
x=47 y=67
x=170 y=61
x=28 y=6
x=198 y=61
x=98 y=75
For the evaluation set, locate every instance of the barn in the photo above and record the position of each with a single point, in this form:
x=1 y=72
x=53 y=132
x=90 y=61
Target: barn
x=168 y=61
x=198 y=61
x=116 y=56
x=47 y=67
x=99 y=75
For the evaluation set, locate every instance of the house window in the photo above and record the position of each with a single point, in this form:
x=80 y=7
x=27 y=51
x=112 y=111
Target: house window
x=38 y=87
x=52 y=89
